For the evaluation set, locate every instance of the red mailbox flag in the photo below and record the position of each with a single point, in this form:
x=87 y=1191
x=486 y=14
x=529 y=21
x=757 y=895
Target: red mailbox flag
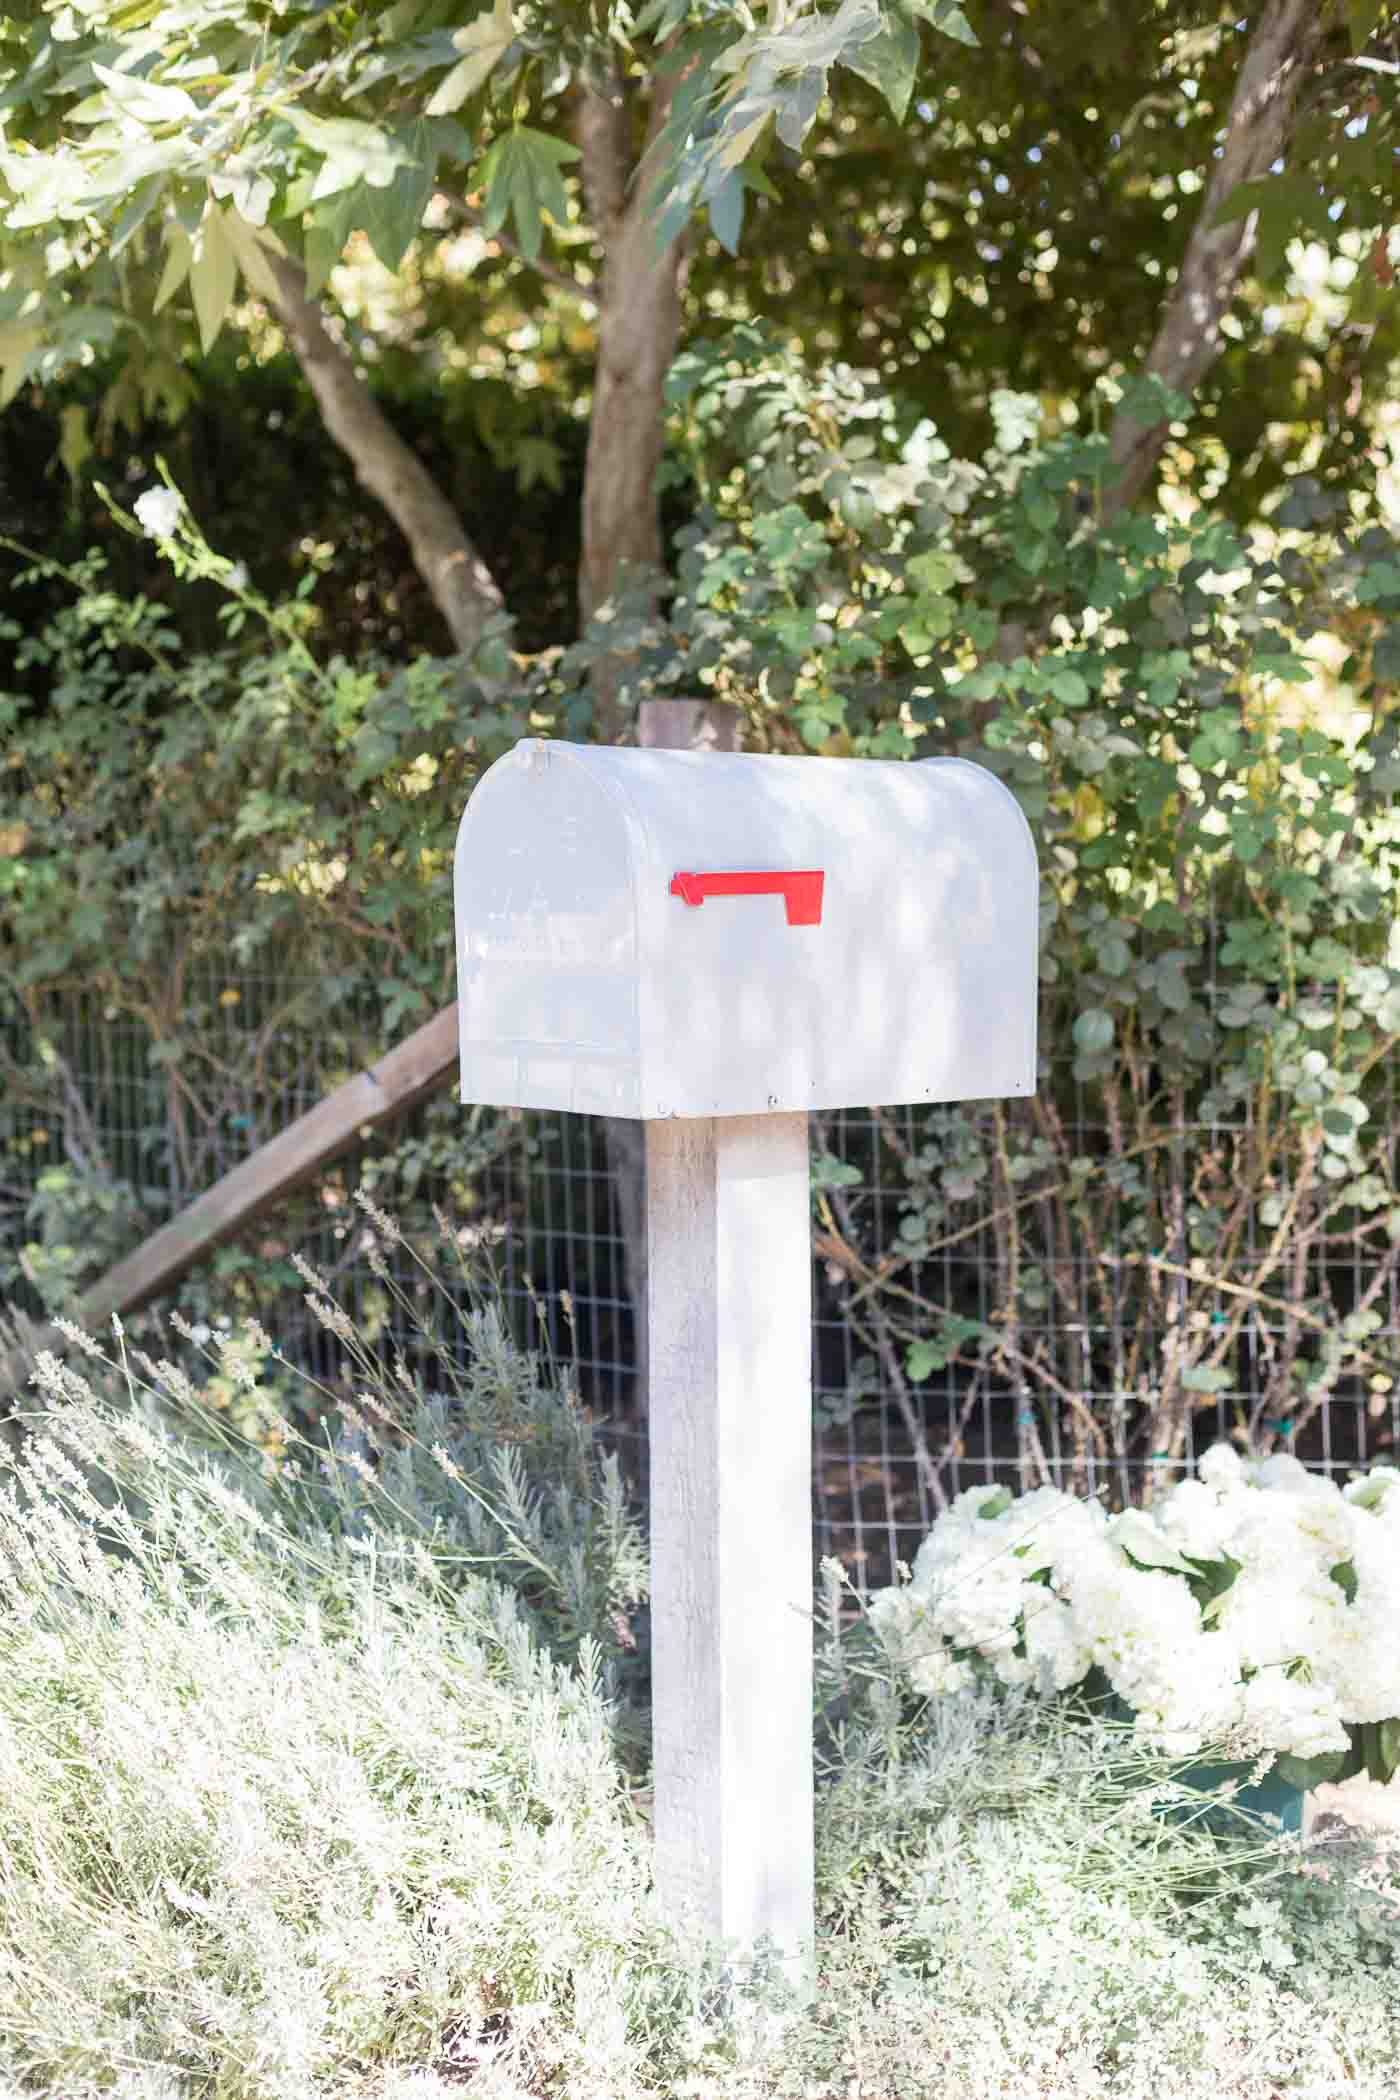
x=800 y=888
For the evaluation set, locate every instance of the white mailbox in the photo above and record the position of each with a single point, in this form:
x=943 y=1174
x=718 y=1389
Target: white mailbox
x=718 y=943
x=678 y=933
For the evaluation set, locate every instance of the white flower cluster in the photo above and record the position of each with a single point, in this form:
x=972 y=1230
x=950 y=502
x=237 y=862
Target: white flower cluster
x=1256 y=1606
x=158 y=512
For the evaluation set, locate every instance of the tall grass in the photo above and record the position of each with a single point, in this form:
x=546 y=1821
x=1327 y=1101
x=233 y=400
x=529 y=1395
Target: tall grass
x=317 y=1770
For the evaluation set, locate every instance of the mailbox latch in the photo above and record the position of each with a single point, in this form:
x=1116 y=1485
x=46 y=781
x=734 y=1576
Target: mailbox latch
x=800 y=889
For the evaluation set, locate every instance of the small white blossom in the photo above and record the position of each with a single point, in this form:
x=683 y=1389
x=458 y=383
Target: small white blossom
x=158 y=511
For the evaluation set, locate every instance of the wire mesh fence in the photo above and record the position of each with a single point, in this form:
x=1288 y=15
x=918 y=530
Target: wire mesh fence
x=1008 y=1293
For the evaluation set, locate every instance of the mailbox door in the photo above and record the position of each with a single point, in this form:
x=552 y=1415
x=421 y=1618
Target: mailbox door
x=546 y=939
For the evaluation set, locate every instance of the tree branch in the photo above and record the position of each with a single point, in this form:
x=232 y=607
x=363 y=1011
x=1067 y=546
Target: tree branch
x=1282 y=51
x=462 y=586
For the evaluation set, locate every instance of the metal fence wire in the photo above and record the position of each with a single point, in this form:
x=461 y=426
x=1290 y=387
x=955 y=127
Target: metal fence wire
x=977 y=1315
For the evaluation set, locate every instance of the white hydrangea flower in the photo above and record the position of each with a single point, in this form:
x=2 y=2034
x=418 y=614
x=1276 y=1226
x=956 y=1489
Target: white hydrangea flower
x=1145 y=1633
x=1221 y=1468
x=158 y=511
x=1299 y=1638
x=1054 y=1528
x=1270 y=1622
x=978 y=1603
x=1197 y=1519
x=1285 y=1472
x=1056 y=1651
x=936 y=1672
x=1291 y=1716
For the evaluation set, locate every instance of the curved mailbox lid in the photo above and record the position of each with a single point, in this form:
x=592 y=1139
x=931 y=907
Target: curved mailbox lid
x=588 y=980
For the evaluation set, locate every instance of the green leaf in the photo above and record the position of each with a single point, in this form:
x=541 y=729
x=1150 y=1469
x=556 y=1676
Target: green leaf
x=179 y=254
x=1243 y=199
x=660 y=18
x=727 y=211
x=321 y=251
x=138 y=210
x=1376 y=1749
x=1286 y=205
x=1093 y=1030
x=740 y=143
x=930 y=620
x=1069 y=688
x=392 y=216
x=75 y=446
x=483 y=44
x=1212 y=1582
x=933 y=571
x=146 y=101
x=1362 y=17
x=1288 y=667
x=889 y=61
x=1205 y=1378
x=1307 y=1772
x=1344 y=1575
x=213 y=275
x=829 y=1172
x=538 y=459
x=352 y=152
x=1136 y=1535
x=810 y=43
x=947 y=18
x=251 y=247
x=521 y=175
x=1388 y=1742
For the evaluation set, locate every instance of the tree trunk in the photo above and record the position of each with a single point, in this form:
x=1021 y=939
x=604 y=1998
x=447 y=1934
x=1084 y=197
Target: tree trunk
x=463 y=588
x=638 y=325
x=1283 y=49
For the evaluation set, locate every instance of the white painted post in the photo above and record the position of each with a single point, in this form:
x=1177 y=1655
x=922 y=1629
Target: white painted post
x=729 y=1289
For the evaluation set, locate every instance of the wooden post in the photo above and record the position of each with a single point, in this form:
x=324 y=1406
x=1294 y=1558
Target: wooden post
x=729 y=1236
x=688 y=725
x=662 y=725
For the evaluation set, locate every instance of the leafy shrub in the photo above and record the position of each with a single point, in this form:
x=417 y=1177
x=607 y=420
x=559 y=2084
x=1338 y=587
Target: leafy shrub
x=224 y=875
x=1198 y=1216
x=1200 y=1211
